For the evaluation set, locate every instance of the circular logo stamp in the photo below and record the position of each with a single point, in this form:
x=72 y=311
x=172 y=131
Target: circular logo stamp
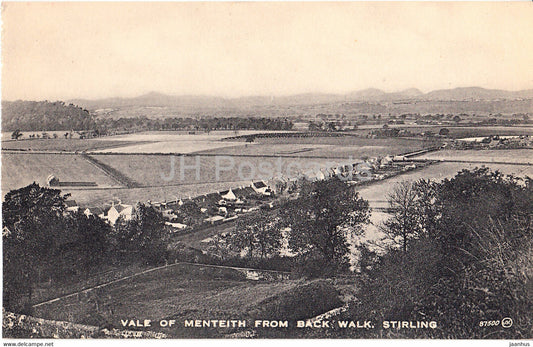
x=507 y=322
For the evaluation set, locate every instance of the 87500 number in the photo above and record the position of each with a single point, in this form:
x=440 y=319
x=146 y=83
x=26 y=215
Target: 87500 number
x=489 y=323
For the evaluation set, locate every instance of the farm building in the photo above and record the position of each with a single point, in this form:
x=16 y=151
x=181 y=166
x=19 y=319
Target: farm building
x=260 y=187
x=118 y=210
x=214 y=219
x=244 y=193
x=228 y=195
x=52 y=181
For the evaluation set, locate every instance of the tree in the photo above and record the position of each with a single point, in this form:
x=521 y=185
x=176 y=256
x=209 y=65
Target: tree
x=89 y=234
x=444 y=131
x=144 y=235
x=412 y=210
x=322 y=219
x=16 y=134
x=456 y=119
x=256 y=234
x=189 y=213
x=470 y=260
x=34 y=217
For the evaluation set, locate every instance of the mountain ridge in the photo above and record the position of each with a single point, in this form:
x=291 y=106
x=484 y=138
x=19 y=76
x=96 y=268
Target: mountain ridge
x=366 y=95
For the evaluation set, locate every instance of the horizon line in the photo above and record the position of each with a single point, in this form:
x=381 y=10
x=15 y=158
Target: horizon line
x=265 y=95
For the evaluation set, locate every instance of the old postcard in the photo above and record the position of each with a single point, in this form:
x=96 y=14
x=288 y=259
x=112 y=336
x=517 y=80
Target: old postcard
x=267 y=170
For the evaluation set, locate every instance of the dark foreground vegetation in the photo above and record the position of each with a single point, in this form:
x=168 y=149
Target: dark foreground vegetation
x=460 y=254
x=44 y=242
x=464 y=257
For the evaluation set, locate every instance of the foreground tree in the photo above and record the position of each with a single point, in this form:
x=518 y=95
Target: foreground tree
x=257 y=235
x=412 y=211
x=325 y=215
x=34 y=230
x=471 y=264
x=143 y=236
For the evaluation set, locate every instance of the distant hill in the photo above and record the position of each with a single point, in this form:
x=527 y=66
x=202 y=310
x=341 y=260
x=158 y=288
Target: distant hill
x=154 y=99
x=476 y=93
x=44 y=115
x=81 y=114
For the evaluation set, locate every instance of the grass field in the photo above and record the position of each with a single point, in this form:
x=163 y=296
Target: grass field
x=523 y=156
x=19 y=170
x=63 y=145
x=181 y=292
x=331 y=147
x=150 y=170
x=183 y=146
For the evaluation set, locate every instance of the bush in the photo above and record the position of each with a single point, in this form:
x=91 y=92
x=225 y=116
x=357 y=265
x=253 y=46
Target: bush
x=303 y=302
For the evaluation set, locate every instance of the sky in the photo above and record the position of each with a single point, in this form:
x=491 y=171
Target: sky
x=59 y=51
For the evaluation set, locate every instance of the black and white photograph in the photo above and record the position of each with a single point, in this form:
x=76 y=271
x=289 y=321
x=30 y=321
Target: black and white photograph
x=267 y=170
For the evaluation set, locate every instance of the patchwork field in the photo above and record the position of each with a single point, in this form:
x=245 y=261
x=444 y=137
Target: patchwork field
x=19 y=170
x=179 y=292
x=520 y=156
x=331 y=147
x=182 y=146
x=156 y=136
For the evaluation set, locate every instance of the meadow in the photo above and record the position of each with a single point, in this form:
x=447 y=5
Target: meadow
x=156 y=170
x=179 y=292
x=19 y=170
x=63 y=145
x=329 y=147
x=181 y=146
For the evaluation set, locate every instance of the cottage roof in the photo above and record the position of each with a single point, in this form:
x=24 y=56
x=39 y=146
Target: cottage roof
x=244 y=192
x=229 y=195
x=120 y=208
x=96 y=210
x=259 y=184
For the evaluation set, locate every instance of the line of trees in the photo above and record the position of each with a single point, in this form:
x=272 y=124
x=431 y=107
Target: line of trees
x=189 y=123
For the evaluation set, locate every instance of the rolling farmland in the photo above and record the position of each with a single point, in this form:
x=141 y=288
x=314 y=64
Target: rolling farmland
x=326 y=147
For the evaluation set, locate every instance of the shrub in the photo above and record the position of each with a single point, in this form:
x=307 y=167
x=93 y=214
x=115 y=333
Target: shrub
x=303 y=302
